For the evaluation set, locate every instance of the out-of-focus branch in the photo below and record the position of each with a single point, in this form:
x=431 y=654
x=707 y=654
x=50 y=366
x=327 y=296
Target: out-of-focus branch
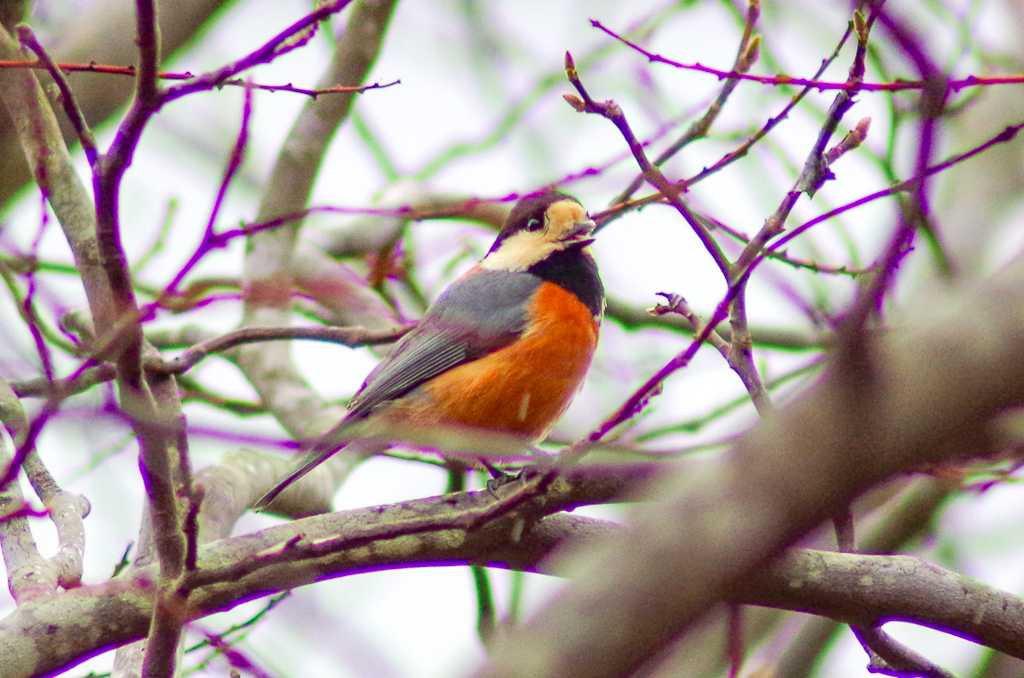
x=911 y=515
x=700 y=653
x=29 y=575
x=66 y=511
x=102 y=32
x=814 y=173
x=746 y=56
x=369 y=234
x=269 y=263
x=67 y=98
x=50 y=163
x=153 y=405
x=1006 y=135
x=931 y=392
x=158 y=655
x=347 y=336
x=821 y=85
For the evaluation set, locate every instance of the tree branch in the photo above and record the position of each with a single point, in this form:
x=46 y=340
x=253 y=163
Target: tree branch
x=46 y=635
x=931 y=394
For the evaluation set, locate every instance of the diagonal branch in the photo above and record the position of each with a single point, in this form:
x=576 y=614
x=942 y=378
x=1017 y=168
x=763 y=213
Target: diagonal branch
x=613 y=113
x=933 y=391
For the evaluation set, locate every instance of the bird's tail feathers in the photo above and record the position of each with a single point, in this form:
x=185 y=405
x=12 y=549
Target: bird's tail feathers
x=328 y=444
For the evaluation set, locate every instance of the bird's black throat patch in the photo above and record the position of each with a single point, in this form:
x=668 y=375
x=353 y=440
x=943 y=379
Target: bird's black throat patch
x=574 y=270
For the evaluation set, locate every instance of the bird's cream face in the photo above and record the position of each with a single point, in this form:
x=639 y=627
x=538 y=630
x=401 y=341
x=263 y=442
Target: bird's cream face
x=564 y=224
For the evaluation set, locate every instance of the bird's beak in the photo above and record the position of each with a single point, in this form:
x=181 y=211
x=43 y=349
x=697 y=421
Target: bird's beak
x=581 y=231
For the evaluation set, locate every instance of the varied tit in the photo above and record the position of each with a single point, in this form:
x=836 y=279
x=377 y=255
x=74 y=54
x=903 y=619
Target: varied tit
x=504 y=349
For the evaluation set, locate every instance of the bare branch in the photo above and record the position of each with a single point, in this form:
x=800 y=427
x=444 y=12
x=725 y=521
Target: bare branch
x=844 y=586
x=29 y=576
x=775 y=80
x=613 y=113
x=67 y=96
x=108 y=69
x=931 y=393
x=347 y=336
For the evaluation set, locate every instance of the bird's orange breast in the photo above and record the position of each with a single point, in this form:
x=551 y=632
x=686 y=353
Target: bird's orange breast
x=522 y=388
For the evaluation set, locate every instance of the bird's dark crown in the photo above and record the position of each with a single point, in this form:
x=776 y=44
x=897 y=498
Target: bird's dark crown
x=529 y=212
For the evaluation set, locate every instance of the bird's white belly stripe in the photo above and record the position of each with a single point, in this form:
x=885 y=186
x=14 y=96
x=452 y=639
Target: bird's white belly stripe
x=524 y=406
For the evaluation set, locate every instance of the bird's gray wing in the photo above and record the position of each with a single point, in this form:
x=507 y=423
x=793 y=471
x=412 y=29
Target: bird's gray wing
x=479 y=313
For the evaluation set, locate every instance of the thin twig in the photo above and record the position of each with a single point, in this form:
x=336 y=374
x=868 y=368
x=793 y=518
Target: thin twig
x=129 y=71
x=67 y=97
x=615 y=211
x=746 y=56
x=821 y=85
x=267 y=52
x=613 y=113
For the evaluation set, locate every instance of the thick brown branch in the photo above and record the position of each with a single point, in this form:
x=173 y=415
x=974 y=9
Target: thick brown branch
x=931 y=394
x=46 y=635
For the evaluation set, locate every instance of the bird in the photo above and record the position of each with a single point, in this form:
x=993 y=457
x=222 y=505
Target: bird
x=503 y=350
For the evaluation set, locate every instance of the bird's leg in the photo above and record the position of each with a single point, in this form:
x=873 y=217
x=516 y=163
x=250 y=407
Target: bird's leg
x=499 y=477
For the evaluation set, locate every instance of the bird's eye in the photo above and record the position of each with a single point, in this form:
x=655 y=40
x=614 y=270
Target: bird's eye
x=533 y=225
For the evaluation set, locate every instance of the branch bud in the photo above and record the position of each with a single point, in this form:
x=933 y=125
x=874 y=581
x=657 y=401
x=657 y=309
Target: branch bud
x=750 y=54
x=860 y=26
x=575 y=102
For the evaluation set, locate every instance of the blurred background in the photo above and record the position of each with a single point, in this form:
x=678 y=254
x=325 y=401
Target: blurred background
x=479 y=113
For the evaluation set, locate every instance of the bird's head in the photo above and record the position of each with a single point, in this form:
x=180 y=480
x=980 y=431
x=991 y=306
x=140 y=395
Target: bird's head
x=538 y=227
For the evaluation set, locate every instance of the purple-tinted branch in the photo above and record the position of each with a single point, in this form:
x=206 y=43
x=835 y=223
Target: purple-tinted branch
x=107 y=69
x=639 y=399
x=614 y=212
x=736 y=275
x=68 y=386
x=67 y=96
x=210 y=240
x=613 y=113
x=933 y=100
x=28 y=308
x=746 y=55
x=26 y=510
x=314 y=93
x=677 y=304
x=889 y=657
x=234 y=162
x=815 y=172
x=269 y=51
x=814 y=83
x=235 y=657
x=27 y=445
x=90 y=374
x=785 y=257
x=1006 y=135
